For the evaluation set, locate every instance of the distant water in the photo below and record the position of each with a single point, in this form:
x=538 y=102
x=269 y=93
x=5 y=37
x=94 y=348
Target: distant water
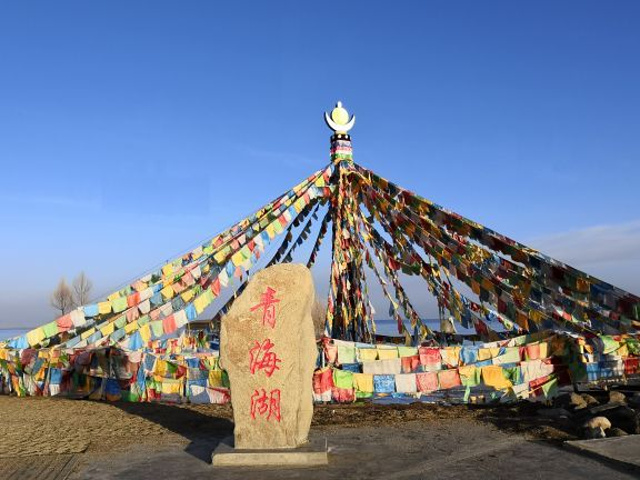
x=390 y=327
x=12 y=332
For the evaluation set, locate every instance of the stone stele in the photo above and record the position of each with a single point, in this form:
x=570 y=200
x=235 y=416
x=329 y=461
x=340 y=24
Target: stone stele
x=267 y=346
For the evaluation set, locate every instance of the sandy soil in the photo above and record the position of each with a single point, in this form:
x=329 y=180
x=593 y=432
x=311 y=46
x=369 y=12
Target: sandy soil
x=38 y=426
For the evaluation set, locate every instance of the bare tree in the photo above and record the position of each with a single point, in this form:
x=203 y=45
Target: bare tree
x=62 y=297
x=319 y=316
x=82 y=289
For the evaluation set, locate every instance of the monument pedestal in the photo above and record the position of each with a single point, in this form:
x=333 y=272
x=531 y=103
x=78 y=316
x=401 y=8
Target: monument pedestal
x=313 y=454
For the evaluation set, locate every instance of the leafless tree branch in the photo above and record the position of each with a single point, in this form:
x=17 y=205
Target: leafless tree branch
x=82 y=289
x=62 y=297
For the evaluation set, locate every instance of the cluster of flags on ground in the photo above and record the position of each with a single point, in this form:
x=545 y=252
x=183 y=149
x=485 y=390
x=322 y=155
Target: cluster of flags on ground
x=527 y=366
x=185 y=369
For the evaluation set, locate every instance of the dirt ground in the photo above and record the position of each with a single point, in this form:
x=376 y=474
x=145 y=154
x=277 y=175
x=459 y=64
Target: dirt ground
x=65 y=439
x=41 y=425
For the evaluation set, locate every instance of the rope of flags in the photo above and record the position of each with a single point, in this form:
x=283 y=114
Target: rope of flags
x=481 y=279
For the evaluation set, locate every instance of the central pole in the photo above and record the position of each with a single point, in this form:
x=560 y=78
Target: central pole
x=347 y=313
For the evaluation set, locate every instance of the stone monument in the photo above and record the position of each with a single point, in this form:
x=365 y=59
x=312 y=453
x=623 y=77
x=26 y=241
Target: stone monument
x=268 y=348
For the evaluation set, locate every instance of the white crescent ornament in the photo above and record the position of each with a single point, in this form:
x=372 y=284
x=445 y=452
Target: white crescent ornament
x=339 y=113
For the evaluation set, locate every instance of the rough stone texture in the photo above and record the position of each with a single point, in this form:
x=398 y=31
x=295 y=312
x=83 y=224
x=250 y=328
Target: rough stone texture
x=615 y=396
x=290 y=337
x=577 y=401
x=616 y=432
x=604 y=408
x=598 y=422
x=590 y=399
x=625 y=418
x=593 y=433
x=570 y=400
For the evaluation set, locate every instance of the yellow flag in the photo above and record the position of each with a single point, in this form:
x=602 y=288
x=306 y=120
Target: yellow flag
x=34 y=337
x=167 y=269
x=215 y=378
x=199 y=304
x=131 y=327
x=145 y=333
x=271 y=231
x=237 y=258
x=108 y=329
x=104 y=307
x=187 y=295
x=88 y=333
x=167 y=292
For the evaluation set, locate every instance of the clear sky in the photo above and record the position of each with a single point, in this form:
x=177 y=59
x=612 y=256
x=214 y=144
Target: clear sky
x=130 y=131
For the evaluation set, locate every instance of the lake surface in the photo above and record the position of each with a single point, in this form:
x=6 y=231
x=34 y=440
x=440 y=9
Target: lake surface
x=12 y=332
x=390 y=327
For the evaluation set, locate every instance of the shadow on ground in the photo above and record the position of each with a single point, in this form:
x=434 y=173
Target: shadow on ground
x=523 y=418
x=519 y=418
x=206 y=429
x=204 y=432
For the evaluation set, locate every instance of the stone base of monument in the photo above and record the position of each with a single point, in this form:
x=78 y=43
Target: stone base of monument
x=314 y=454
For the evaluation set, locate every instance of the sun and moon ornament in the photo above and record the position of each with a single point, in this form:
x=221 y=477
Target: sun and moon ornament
x=339 y=121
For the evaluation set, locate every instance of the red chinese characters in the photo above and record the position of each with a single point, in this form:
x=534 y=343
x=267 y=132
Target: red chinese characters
x=262 y=358
x=268 y=304
x=262 y=404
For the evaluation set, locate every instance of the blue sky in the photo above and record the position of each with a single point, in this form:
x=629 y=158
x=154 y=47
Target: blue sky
x=130 y=131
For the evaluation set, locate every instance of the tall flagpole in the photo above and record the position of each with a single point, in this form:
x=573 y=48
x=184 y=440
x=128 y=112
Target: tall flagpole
x=347 y=310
